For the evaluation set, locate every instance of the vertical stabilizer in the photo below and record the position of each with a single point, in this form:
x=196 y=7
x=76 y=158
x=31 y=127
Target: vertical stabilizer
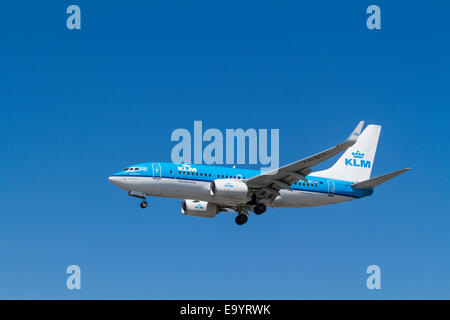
x=357 y=162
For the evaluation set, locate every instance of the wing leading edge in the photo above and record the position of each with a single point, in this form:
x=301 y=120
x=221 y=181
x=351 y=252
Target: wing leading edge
x=282 y=178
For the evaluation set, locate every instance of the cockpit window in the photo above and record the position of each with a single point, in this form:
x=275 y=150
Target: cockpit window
x=133 y=169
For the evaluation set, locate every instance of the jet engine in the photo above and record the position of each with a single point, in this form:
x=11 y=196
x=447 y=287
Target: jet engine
x=229 y=189
x=196 y=208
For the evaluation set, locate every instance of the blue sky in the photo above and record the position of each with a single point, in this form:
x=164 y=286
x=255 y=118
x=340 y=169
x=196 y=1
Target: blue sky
x=80 y=105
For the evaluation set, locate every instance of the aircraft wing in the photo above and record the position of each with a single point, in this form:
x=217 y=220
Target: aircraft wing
x=282 y=178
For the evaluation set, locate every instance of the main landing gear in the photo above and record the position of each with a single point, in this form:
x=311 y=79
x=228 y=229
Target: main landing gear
x=260 y=208
x=243 y=213
x=241 y=219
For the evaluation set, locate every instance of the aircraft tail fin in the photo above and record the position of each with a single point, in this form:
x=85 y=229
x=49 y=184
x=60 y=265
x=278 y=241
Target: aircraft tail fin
x=357 y=161
x=372 y=183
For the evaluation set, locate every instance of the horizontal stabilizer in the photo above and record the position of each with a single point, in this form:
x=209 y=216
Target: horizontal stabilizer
x=372 y=183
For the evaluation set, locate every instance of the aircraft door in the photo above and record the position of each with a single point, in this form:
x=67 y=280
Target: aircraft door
x=331 y=188
x=155 y=186
x=156 y=170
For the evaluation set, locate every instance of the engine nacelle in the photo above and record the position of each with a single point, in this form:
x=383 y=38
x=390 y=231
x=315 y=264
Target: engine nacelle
x=229 y=189
x=196 y=208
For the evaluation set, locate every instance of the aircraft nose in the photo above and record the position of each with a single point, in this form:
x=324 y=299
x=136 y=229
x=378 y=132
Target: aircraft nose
x=114 y=180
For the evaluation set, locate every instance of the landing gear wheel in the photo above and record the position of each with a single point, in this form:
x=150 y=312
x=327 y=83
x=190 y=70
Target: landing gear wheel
x=259 y=208
x=144 y=204
x=241 y=219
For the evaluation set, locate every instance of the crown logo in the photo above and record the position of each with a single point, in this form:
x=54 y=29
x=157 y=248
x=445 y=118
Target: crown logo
x=358 y=155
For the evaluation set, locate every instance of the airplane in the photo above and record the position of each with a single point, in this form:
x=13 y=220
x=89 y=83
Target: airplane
x=208 y=190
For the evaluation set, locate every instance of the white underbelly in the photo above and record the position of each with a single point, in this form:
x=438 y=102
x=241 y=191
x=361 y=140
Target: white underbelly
x=300 y=199
x=199 y=190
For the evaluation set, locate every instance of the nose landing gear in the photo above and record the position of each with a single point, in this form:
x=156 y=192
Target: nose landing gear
x=139 y=195
x=144 y=204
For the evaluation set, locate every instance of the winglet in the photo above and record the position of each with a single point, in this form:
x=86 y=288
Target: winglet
x=351 y=140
